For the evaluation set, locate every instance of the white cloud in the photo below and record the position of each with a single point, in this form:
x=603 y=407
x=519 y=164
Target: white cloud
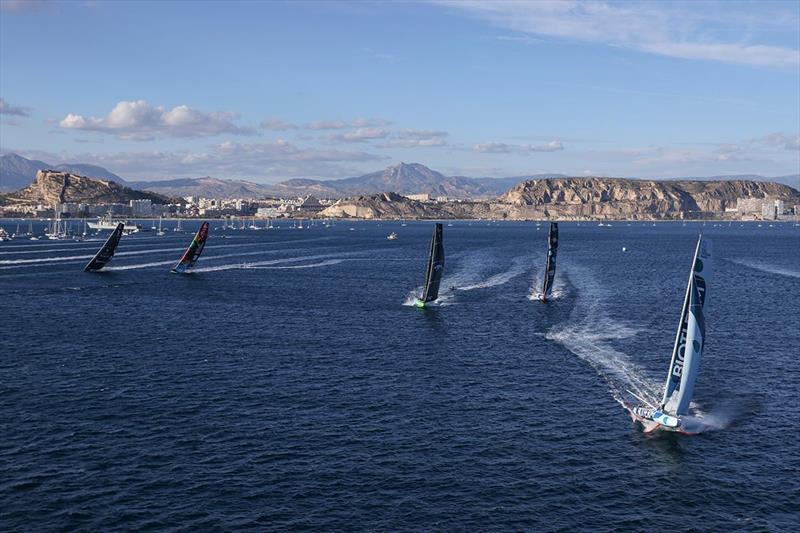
x=781 y=140
x=503 y=148
x=343 y=124
x=359 y=135
x=277 y=125
x=139 y=120
x=8 y=109
x=410 y=138
x=662 y=29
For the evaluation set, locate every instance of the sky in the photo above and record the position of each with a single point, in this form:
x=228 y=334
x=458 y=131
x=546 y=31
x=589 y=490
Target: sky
x=267 y=91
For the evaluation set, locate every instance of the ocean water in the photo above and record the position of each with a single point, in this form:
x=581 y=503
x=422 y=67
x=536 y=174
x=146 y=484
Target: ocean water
x=288 y=384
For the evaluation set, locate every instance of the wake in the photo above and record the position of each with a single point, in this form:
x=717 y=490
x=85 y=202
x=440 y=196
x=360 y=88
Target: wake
x=589 y=334
x=518 y=266
x=765 y=267
x=467 y=278
x=558 y=291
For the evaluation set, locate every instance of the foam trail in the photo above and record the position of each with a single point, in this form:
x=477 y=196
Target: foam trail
x=589 y=333
x=138 y=252
x=558 y=291
x=518 y=266
x=765 y=267
x=329 y=262
x=236 y=266
x=204 y=258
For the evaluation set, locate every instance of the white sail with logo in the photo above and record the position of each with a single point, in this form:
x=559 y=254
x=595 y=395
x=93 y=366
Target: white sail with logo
x=690 y=338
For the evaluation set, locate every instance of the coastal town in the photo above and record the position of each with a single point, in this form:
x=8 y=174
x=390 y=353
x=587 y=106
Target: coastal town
x=56 y=194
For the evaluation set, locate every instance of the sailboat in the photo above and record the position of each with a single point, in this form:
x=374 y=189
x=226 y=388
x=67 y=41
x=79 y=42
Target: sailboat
x=193 y=251
x=106 y=252
x=685 y=362
x=550 y=266
x=433 y=274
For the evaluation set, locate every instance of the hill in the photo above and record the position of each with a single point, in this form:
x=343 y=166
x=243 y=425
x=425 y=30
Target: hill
x=207 y=187
x=578 y=199
x=51 y=187
x=17 y=172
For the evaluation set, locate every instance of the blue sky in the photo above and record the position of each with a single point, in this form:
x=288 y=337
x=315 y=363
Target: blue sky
x=272 y=90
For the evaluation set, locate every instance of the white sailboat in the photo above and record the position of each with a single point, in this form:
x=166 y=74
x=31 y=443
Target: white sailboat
x=685 y=361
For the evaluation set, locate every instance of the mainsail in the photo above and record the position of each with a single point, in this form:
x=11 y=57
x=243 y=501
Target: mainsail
x=433 y=275
x=550 y=267
x=690 y=338
x=193 y=252
x=106 y=252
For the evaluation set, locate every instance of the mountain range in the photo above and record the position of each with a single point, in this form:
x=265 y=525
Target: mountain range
x=17 y=172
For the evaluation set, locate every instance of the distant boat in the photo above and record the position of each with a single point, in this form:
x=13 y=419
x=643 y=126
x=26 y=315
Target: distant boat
x=392 y=236
x=108 y=223
x=550 y=266
x=685 y=362
x=106 y=252
x=433 y=274
x=193 y=251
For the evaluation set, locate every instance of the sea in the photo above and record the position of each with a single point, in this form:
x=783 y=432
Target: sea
x=289 y=384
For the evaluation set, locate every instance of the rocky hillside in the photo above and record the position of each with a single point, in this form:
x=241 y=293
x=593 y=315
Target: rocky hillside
x=51 y=187
x=17 y=171
x=632 y=199
x=206 y=187
x=577 y=199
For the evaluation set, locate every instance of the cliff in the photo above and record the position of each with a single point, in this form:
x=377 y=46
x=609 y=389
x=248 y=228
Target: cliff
x=51 y=187
x=577 y=199
x=632 y=199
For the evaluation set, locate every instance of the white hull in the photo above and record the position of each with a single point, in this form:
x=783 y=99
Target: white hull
x=111 y=226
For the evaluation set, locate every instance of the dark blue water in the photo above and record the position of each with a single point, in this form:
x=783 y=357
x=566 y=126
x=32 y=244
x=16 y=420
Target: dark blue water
x=301 y=393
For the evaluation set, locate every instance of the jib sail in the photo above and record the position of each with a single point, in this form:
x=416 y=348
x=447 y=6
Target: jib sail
x=433 y=275
x=193 y=252
x=106 y=252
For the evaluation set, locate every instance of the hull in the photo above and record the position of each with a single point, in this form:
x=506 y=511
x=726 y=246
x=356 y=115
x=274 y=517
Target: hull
x=101 y=226
x=650 y=426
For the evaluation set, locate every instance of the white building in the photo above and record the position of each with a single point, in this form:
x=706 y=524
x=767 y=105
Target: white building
x=769 y=211
x=141 y=208
x=421 y=197
x=267 y=212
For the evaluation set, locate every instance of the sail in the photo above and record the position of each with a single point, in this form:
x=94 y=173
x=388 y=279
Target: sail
x=193 y=252
x=550 y=267
x=433 y=275
x=106 y=252
x=691 y=333
x=695 y=337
